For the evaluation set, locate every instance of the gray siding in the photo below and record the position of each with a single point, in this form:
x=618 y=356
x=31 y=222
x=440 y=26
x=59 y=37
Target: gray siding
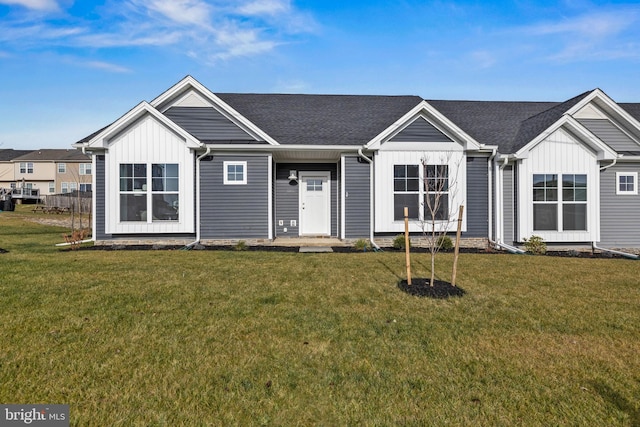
x=357 y=198
x=619 y=214
x=610 y=134
x=99 y=233
x=207 y=124
x=477 y=197
x=234 y=211
x=287 y=197
x=508 y=205
x=421 y=131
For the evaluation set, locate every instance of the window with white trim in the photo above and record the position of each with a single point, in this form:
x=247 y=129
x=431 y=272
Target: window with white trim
x=62 y=168
x=64 y=187
x=436 y=201
x=235 y=173
x=406 y=191
x=139 y=202
x=626 y=183
x=85 y=168
x=559 y=205
x=52 y=187
x=26 y=167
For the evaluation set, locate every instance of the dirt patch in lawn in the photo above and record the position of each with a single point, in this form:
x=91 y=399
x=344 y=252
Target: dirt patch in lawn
x=3 y=251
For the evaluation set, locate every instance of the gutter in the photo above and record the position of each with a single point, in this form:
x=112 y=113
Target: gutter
x=371 y=195
x=624 y=254
x=612 y=163
x=195 y=242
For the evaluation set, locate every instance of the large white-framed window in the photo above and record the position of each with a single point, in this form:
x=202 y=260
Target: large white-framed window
x=62 y=168
x=85 y=168
x=235 y=172
x=559 y=205
x=436 y=201
x=627 y=183
x=140 y=202
x=26 y=167
x=406 y=191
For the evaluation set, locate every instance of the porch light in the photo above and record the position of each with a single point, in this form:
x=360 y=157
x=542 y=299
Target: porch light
x=293 y=175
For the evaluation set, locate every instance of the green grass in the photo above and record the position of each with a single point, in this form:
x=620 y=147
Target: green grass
x=258 y=338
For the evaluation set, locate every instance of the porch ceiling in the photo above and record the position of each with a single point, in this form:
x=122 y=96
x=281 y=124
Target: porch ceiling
x=306 y=155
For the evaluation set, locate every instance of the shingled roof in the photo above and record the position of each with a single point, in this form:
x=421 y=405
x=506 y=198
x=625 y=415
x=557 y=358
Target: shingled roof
x=53 y=155
x=10 y=154
x=321 y=119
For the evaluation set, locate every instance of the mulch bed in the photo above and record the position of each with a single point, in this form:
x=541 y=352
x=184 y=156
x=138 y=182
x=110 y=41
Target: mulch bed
x=420 y=287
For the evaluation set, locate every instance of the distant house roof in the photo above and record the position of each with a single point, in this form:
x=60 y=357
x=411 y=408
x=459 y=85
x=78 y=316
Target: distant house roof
x=9 y=154
x=53 y=155
x=321 y=119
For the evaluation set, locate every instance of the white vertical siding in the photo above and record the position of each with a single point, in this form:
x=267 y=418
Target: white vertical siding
x=560 y=153
x=148 y=141
x=384 y=162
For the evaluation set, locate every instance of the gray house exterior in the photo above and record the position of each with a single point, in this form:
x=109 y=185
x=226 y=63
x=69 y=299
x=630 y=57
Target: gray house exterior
x=193 y=166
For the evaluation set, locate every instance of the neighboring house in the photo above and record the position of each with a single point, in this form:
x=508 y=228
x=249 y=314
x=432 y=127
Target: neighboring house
x=192 y=166
x=7 y=169
x=53 y=171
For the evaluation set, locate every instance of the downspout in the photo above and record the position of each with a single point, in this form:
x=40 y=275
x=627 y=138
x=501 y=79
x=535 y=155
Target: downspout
x=608 y=166
x=206 y=153
x=94 y=220
x=489 y=200
x=371 y=194
x=499 y=243
x=624 y=254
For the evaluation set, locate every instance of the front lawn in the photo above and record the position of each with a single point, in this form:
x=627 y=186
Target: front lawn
x=263 y=338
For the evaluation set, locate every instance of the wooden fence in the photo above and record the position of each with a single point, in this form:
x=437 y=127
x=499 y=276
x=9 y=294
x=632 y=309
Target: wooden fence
x=71 y=201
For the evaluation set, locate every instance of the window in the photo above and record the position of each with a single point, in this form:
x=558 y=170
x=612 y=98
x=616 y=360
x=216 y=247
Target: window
x=73 y=186
x=134 y=192
x=62 y=168
x=85 y=188
x=85 y=168
x=436 y=199
x=314 y=185
x=26 y=167
x=13 y=185
x=52 y=187
x=406 y=191
x=65 y=187
x=235 y=173
x=627 y=183
x=551 y=197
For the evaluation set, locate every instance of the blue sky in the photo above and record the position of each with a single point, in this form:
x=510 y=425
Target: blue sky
x=68 y=67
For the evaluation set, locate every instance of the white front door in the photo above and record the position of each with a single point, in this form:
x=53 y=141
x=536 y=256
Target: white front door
x=315 y=203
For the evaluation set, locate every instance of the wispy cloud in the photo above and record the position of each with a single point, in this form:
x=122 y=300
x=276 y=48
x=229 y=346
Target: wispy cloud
x=40 y=5
x=213 y=30
x=595 y=36
x=100 y=65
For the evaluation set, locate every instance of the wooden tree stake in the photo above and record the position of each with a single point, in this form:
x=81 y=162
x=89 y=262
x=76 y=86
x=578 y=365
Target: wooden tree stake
x=457 y=248
x=406 y=243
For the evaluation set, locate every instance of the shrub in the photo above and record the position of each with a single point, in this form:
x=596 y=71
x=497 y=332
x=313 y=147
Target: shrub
x=241 y=246
x=444 y=243
x=535 y=245
x=362 y=245
x=398 y=242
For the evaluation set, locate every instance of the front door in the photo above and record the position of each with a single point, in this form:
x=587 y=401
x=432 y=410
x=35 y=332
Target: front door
x=315 y=203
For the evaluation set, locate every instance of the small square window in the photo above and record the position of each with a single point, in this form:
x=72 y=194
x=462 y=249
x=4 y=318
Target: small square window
x=62 y=168
x=235 y=173
x=627 y=183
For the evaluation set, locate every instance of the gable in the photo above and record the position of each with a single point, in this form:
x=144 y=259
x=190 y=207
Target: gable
x=144 y=136
x=420 y=130
x=208 y=124
x=611 y=134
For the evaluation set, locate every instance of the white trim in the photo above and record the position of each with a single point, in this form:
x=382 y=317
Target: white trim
x=188 y=82
x=435 y=118
x=599 y=97
x=343 y=197
x=270 y=206
x=225 y=172
x=635 y=184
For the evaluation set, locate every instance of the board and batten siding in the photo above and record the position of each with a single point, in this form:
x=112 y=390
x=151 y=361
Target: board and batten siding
x=149 y=141
x=384 y=162
x=477 y=197
x=610 y=134
x=234 y=211
x=619 y=213
x=287 y=197
x=559 y=153
x=207 y=124
x=357 y=198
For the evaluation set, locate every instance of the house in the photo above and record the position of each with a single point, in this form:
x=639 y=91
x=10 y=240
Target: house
x=197 y=166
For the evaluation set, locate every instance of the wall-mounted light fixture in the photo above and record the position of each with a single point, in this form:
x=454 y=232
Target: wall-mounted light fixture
x=293 y=176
